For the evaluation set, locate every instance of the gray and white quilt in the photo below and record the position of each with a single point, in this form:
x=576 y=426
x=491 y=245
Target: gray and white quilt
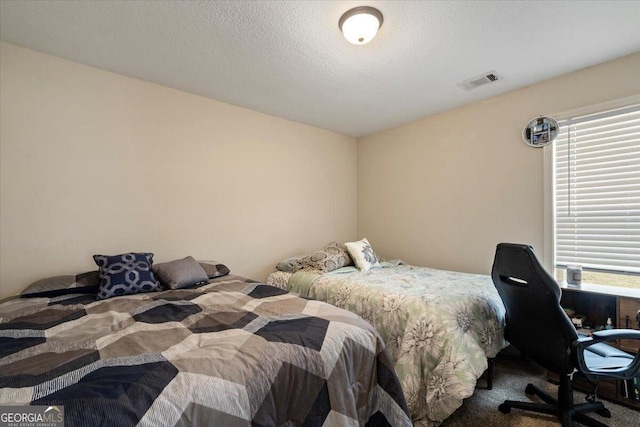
x=230 y=353
x=439 y=326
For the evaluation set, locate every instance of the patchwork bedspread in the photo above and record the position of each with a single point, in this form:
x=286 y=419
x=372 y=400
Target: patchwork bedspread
x=439 y=326
x=230 y=353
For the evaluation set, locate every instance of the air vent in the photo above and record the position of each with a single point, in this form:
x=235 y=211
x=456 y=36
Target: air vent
x=480 y=80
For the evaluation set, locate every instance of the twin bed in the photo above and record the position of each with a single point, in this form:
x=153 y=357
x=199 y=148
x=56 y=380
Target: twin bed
x=440 y=327
x=230 y=353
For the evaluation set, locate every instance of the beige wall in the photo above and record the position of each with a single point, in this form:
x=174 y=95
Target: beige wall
x=444 y=190
x=94 y=162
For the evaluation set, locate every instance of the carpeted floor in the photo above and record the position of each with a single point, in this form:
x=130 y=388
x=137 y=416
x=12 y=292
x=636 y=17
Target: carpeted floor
x=511 y=375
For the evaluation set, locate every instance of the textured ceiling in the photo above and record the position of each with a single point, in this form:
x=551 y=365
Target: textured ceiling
x=288 y=58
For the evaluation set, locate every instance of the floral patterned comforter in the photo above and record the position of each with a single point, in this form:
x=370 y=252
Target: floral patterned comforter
x=439 y=326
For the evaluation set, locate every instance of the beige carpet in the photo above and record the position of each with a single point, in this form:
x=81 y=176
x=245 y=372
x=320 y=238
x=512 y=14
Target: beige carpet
x=511 y=376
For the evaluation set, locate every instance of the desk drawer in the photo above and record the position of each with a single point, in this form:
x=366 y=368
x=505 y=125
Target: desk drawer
x=628 y=308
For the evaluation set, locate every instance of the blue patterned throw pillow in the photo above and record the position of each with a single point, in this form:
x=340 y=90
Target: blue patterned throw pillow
x=125 y=274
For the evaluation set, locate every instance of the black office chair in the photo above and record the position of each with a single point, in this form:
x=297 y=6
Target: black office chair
x=539 y=328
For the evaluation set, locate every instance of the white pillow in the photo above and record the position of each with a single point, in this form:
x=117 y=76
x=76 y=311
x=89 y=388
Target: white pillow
x=362 y=254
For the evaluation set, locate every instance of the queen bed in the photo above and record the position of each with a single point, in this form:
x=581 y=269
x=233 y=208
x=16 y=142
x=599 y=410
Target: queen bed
x=231 y=352
x=440 y=327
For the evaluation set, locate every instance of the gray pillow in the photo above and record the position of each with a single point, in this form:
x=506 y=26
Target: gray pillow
x=180 y=273
x=214 y=269
x=85 y=283
x=288 y=265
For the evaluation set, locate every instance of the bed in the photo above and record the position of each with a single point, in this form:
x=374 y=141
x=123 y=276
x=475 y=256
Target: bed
x=440 y=327
x=232 y=352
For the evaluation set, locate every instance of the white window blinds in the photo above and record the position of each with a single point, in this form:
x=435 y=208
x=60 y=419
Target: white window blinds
x=597 y=191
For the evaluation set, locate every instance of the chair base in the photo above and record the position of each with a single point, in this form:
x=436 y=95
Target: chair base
x=562 y=407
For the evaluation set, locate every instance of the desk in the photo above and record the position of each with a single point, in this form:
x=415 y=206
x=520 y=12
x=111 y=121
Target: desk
x=598 y=303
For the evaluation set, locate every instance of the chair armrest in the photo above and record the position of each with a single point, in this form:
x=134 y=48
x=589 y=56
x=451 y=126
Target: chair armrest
x=624 y=373
x=616 y=334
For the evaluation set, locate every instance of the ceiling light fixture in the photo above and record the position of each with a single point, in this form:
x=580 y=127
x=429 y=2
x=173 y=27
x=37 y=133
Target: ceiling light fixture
x=360 y=24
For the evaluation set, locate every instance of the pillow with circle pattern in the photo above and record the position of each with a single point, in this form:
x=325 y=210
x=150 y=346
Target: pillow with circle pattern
x=329 y=258
x=125 y=274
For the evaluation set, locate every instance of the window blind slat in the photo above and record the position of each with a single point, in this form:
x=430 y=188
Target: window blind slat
x=597 y=191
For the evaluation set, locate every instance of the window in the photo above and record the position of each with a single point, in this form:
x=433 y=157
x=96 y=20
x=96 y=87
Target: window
x=597 y=195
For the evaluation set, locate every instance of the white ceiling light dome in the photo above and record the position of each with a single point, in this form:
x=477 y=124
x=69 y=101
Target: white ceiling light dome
x=360 y=24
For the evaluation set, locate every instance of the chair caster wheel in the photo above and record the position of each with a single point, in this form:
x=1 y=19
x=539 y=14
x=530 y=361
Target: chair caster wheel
x=504 y=408
x=604 y=413
x=530 y=390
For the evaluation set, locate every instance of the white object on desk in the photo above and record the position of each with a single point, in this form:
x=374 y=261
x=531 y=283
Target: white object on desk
x=574 y=274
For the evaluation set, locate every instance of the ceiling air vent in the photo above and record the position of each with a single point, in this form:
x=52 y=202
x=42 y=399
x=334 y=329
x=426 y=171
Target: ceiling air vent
x=480 y=80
